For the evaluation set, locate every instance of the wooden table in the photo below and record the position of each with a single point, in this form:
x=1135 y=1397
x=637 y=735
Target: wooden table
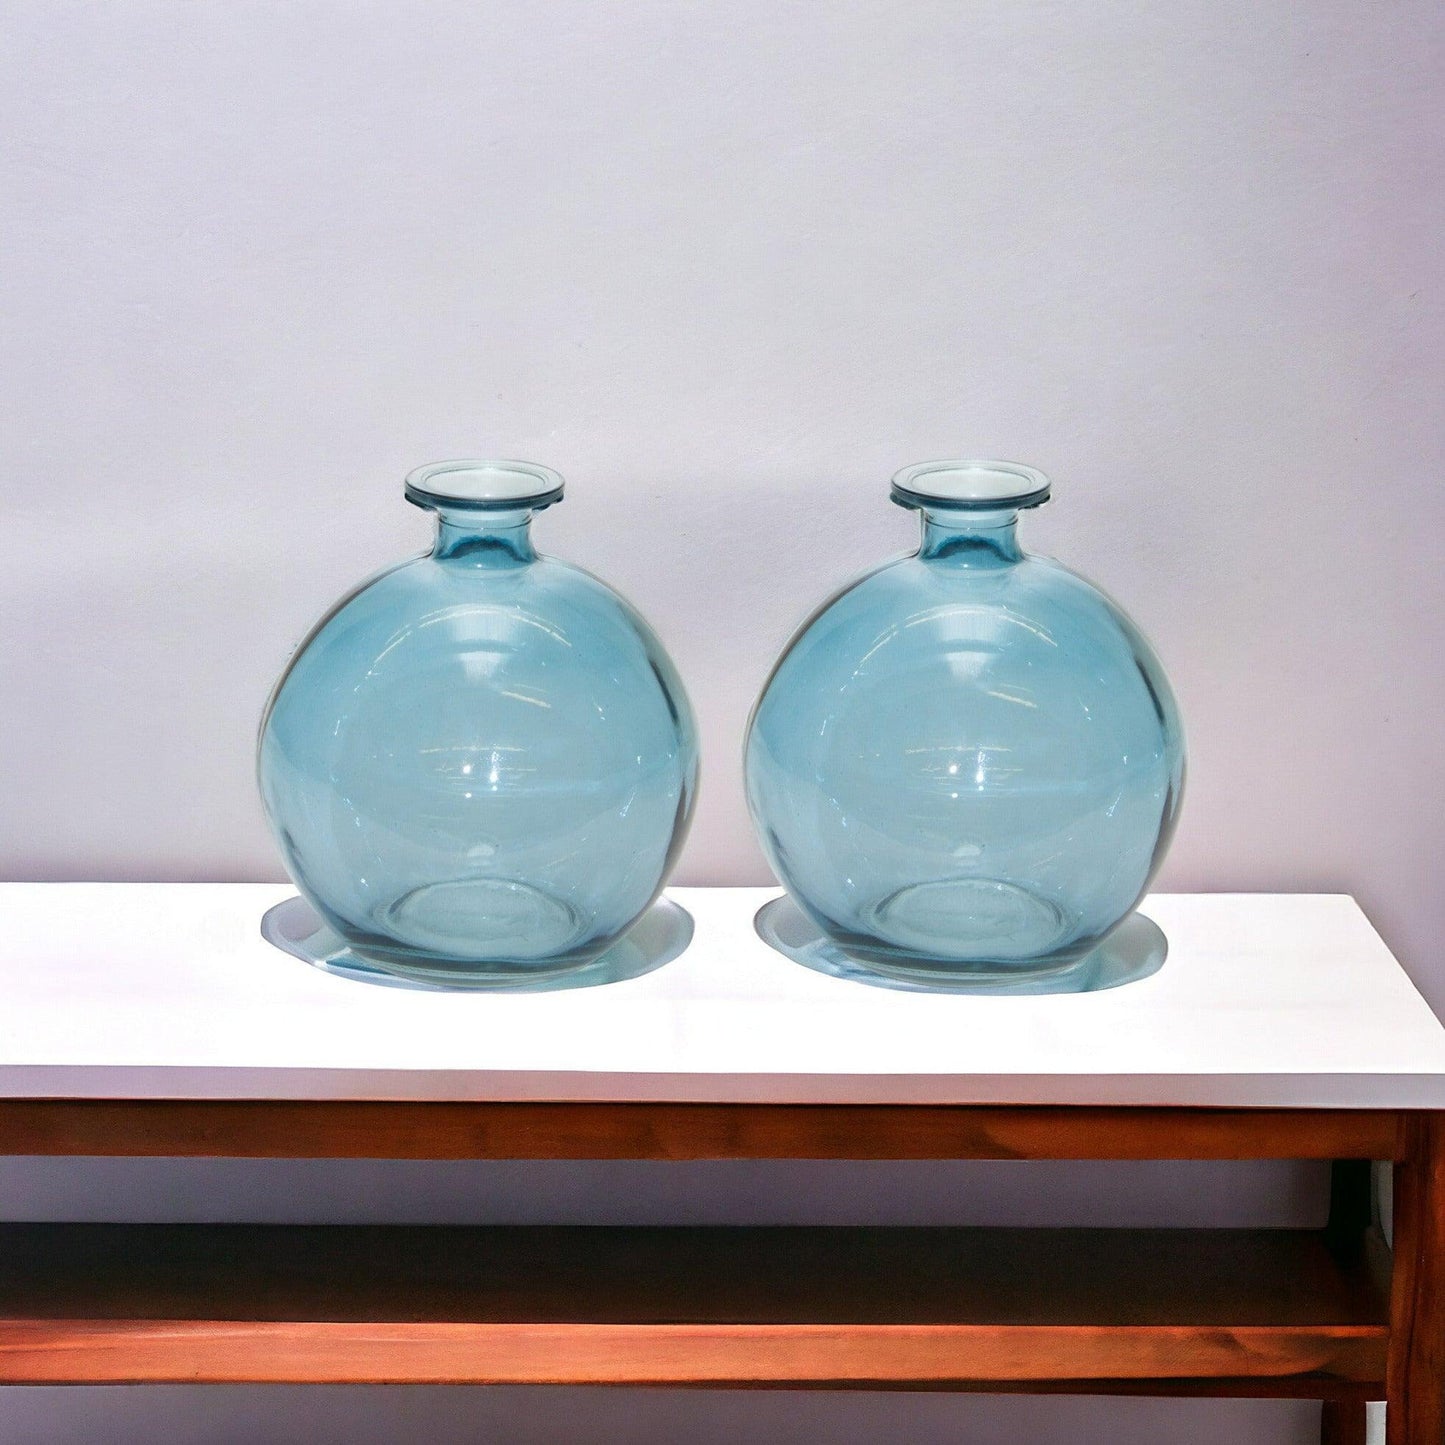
x=151 y=1020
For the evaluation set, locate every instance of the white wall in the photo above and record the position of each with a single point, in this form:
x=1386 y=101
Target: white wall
x=725 y=264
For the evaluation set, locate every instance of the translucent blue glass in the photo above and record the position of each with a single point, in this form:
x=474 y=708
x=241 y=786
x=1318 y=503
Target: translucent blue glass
x=968 y=762
x=481 y=764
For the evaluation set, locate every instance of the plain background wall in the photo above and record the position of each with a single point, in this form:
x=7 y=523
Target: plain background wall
x=726 y=265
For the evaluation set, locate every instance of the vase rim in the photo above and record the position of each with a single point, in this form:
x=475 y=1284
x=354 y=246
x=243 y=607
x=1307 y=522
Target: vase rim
x=970 y=484
x=484 y=484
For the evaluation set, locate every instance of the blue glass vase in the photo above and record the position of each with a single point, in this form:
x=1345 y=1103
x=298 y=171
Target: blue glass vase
x=969 y=762
x=480 y=766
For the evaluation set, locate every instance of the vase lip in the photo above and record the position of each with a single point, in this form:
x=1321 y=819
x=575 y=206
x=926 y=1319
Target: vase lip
x=970 y=485
x=483 y=484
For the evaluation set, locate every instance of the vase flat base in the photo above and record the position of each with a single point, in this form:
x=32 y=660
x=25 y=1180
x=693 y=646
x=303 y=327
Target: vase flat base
x=1001 y=916
x=517 y=920
x=659 y=936
x=1136 y=949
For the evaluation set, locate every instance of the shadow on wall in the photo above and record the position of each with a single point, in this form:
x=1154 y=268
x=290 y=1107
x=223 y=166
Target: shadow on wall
x=1200 y=1194
x=542 y=1415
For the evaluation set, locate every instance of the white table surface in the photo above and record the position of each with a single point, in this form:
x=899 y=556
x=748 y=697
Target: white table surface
x=116 y=990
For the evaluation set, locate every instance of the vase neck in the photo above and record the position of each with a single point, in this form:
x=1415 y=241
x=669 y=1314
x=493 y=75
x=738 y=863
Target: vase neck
x=484 y=508
x=970 y=538
x=484 y=539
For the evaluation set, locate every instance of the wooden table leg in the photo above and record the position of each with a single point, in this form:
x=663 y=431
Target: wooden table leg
x=1343 y=1423
x=1415 y=1380
x=1352 y=1213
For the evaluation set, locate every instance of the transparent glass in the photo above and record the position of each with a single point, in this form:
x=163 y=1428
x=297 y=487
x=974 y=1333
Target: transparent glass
x=481 y=764
x=969 y=761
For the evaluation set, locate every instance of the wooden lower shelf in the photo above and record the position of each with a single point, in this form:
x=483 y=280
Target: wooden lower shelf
x=1172 y=1311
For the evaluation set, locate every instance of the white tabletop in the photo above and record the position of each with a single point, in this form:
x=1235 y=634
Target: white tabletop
x=117 y=990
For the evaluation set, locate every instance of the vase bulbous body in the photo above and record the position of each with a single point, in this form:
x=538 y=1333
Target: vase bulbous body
x=480 y=765
x=969 y=761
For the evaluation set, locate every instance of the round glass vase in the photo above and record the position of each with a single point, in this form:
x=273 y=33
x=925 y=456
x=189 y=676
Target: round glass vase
x=968 y=763
x=480 y=765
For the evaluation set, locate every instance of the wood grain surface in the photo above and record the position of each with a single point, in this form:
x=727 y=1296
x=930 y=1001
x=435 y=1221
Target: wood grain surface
x=752 y=1306
x=366 y=1129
